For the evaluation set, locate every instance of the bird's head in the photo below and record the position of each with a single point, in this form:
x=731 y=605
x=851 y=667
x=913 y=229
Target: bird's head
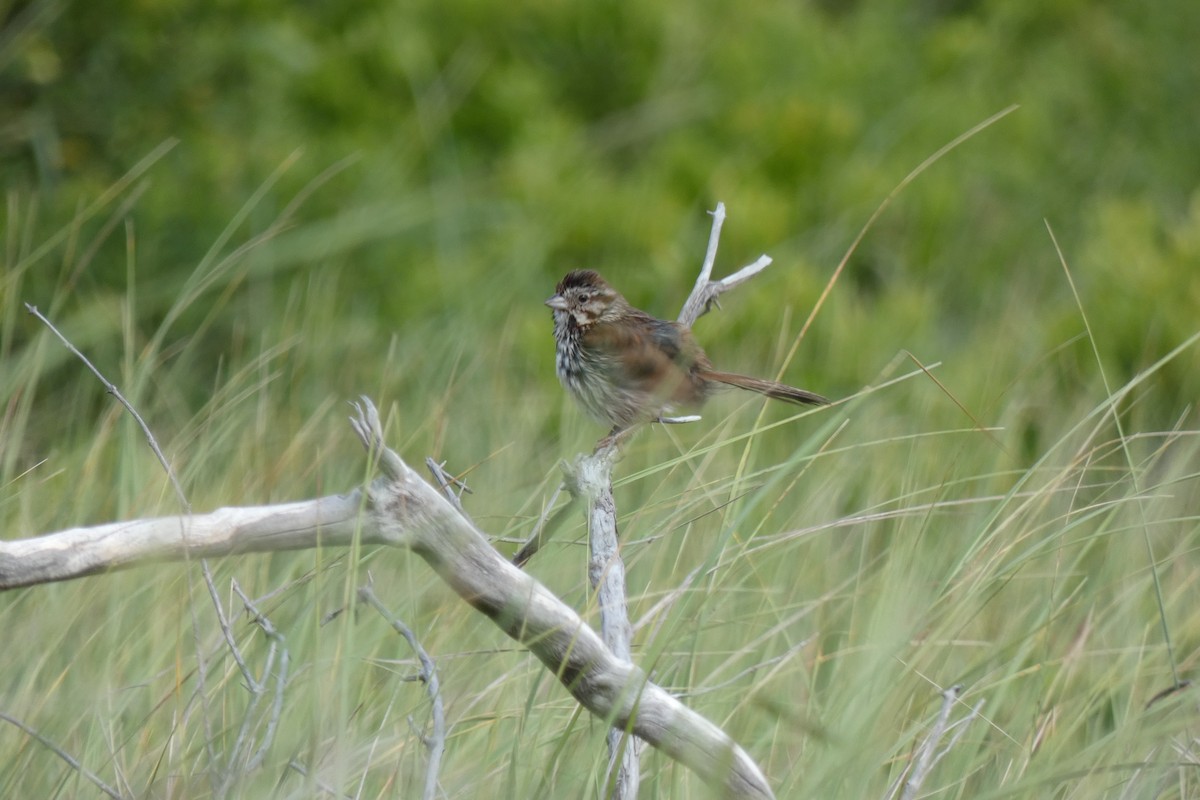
x=586 y=298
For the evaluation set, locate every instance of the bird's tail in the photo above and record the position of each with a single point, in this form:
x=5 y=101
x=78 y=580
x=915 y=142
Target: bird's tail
x=779 y=391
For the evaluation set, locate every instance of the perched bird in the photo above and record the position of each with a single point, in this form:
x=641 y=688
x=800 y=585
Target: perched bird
x=624 y=366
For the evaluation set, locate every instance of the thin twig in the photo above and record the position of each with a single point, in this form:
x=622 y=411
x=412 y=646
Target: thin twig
x=64 y=755
x=257 y=689
x=547 y=523
x=706 y=291
x=678 y=420
x=927 y=753
x=961 y=731
x=436 y=741
x=446 y=482
x=710 y=253
x=278 y=644
x=111 y=388
x=255 y=686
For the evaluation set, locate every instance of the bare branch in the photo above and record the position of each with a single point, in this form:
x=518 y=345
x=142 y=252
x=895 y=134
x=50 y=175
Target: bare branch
x=85 y=551
x=428 y=675
x=706 y=291
x=278 y=644
x=590 y=478
x=710 y=254
x=702 y=300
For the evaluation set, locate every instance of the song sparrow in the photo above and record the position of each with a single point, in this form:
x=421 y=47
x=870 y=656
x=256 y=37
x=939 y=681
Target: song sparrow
x=624 y=366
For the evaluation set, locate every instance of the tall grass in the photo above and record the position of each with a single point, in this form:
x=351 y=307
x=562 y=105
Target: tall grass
x=812 y=582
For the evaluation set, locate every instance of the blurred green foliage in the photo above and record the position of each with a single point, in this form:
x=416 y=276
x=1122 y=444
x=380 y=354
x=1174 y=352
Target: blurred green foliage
x=519 y=143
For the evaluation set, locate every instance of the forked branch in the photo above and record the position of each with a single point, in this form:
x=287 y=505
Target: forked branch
x=590 y=477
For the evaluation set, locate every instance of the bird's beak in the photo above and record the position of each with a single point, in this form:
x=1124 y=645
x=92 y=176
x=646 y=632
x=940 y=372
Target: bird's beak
x=557 y=302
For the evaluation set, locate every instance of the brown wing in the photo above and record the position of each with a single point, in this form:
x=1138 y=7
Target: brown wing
x=652 y=356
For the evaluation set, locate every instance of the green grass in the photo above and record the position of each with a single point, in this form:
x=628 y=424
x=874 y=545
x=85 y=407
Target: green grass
x=263 y=226
x=851 y=563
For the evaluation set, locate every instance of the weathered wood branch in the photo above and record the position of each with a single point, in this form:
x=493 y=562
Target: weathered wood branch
x=590 y=477
x=706 y=291
x=78 y=552
x=401 y=509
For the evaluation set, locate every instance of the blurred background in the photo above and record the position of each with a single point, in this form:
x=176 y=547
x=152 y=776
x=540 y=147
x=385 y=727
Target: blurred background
x=248 y=213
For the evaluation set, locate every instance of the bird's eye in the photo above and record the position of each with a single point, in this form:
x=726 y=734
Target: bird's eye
x=583 y=298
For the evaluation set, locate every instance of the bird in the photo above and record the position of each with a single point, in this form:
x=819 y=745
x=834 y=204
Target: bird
x=624 y=366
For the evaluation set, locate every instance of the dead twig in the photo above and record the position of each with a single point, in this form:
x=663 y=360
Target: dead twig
x=446 y=482
x=64 y=755
x=278 y=645
x=928 y=754
x=544 y=528
x=706 y=292
x=436 y=741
